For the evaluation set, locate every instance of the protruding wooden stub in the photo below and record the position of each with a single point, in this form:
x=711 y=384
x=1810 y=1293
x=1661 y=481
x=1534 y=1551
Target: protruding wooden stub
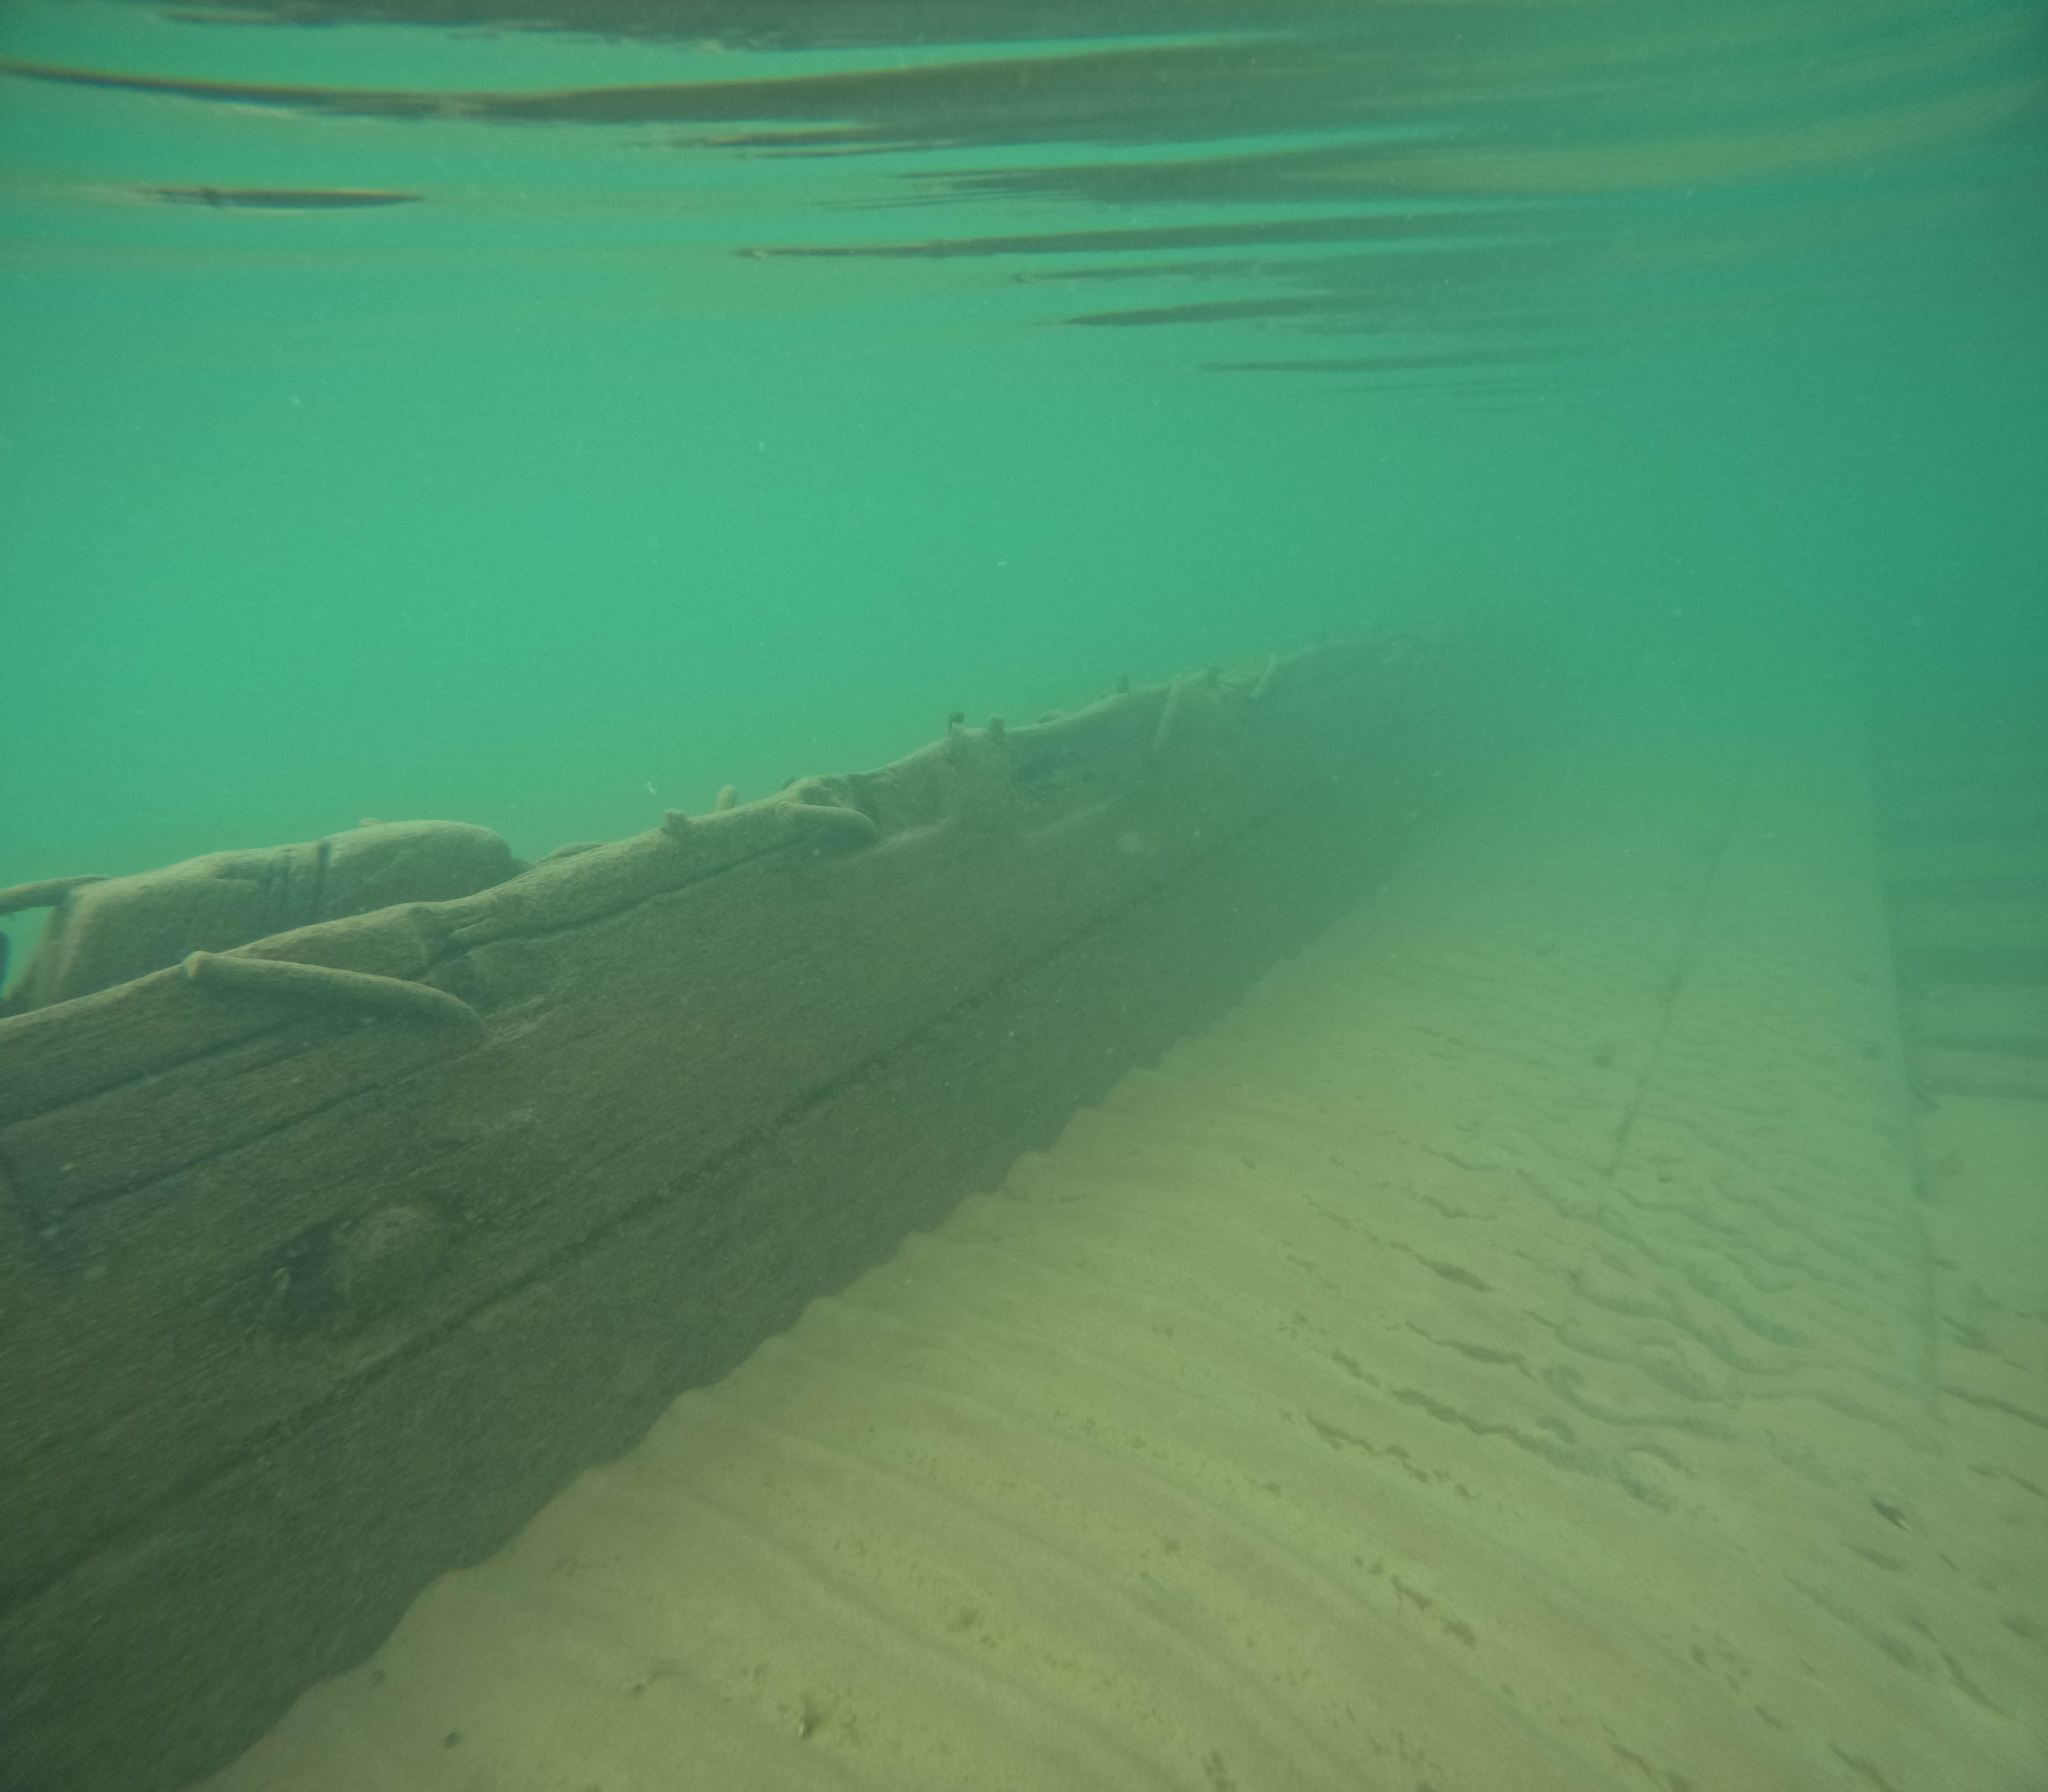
x=1167 y=715
x=728 y=794
x=321 y=986
x=46 y=894
x=825 y=818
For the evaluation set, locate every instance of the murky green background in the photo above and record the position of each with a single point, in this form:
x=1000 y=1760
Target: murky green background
x=409 y=411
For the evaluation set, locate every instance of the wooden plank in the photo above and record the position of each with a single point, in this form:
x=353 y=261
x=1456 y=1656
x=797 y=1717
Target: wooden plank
x=310 y=1534
x=237 y=1228
x=777 y=982
x=87 y=1153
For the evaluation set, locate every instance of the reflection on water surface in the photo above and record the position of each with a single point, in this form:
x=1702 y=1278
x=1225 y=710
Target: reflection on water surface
x=1474 y=189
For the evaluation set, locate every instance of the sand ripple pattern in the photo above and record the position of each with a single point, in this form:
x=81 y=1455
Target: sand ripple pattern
x=1500 y=1356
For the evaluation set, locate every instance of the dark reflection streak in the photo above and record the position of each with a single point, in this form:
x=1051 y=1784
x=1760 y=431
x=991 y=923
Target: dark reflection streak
x=361 y=101
x=1464 y=172
x=1220 y=311
x=1369 y=174
x=1374 y=76
x=1527 y=78
x=1435 y=295
x=1142 y=95
x=1389 y=228
x=812 y=25
x=1236 y=269
x=1371 y=363
x=278 y=199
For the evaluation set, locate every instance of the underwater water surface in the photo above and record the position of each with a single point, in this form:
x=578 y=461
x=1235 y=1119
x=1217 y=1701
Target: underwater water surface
x=542 y=414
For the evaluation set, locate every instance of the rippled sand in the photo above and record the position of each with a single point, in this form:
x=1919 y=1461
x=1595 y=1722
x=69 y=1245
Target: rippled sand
x=1503 y=1355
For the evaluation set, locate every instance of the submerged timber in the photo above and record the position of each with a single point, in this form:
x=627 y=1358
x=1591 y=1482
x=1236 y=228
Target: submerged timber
x=349 y=1218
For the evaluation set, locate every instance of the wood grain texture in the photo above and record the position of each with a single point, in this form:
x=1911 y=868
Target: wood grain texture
x=313 y=1307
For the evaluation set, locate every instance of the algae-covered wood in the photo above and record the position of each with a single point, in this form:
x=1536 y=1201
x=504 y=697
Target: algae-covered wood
x=307 y=1301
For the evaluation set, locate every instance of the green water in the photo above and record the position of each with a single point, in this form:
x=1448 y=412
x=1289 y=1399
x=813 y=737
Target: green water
x=542 y=414
x=728 y=393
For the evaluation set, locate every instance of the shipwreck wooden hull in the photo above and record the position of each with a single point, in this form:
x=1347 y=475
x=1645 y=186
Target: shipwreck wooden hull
x=306 y=1301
